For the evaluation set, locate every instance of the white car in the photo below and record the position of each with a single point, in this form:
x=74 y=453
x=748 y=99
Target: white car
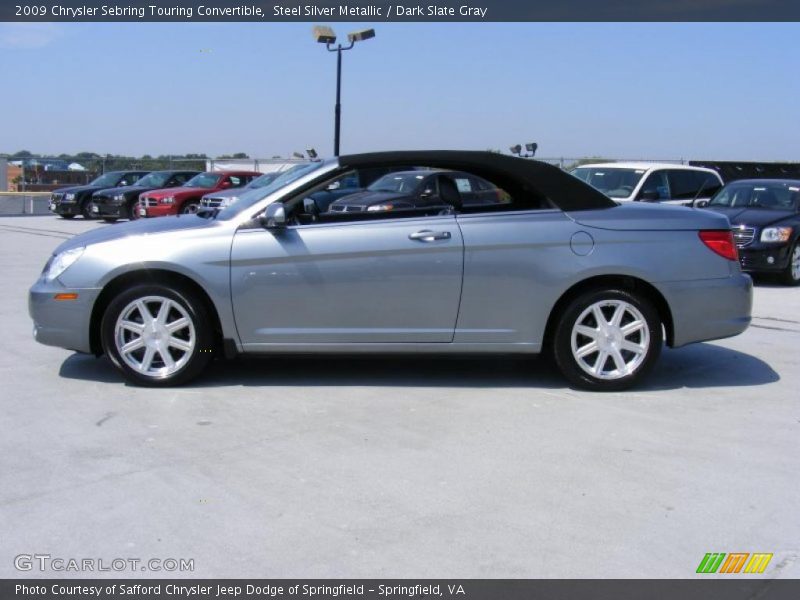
x=651 y=182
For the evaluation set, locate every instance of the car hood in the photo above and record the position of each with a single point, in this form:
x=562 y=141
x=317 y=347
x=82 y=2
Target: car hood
x=228 y=193
x=126 y=189
x=650 y=217
x=760 y=217
x=76 y=189
x=367 y=198
x=180 y=190
x=139 y=227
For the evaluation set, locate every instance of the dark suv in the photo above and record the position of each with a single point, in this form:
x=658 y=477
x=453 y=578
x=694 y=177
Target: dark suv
x=76 y=200
x=121 y=202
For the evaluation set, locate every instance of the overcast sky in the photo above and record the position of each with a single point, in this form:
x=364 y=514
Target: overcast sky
x=702 y=91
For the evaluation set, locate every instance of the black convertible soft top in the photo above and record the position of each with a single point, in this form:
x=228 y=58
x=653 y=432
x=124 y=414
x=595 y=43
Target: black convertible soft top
x=533 y=179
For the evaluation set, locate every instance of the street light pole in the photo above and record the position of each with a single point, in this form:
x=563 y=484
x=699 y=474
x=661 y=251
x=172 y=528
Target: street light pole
x=325 y=35
x=337 y=128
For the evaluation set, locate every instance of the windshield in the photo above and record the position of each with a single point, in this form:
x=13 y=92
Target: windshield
x=397 y=182
x=260 y=182
x=154 y=180
x=250 y=197
x=204 y=180
x=108 y=180
x=775 y=195
x=614 y=182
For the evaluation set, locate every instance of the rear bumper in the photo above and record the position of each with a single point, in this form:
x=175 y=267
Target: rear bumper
x=709 y=309
x=62 y=323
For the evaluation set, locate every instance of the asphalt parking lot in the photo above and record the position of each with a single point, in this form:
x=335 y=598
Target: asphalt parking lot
x=370 y=467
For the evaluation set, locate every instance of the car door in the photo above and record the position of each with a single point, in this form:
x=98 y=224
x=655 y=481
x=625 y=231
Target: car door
x=381 y=280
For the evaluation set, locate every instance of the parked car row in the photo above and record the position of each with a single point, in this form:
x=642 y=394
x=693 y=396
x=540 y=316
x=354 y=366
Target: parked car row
x=131 y=194
x=764 y=213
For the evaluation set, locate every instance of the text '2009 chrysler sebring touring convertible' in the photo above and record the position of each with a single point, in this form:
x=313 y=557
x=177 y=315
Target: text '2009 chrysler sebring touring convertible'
x=553 y=265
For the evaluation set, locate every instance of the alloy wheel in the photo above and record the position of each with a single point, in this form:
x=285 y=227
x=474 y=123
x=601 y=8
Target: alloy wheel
x=155 y=336
x=610 y=339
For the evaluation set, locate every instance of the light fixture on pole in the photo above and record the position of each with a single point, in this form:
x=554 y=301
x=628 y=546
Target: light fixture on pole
x=325 y=35
x=530 y=150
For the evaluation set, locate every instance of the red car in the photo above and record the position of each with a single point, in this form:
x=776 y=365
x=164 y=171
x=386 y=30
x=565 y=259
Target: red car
x=186 y=198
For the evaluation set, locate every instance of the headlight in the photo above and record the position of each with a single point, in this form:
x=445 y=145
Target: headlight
x=167 y=200
x=69 y=196
x=377 y=207
x=776 y=234
x=61 y=262
x=119 y=197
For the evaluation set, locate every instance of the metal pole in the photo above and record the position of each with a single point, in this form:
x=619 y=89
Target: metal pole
x=338 y=110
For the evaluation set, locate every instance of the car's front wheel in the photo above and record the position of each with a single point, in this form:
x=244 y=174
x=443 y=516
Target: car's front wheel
x=190 y=208
x=86 y=210
x=607 y=340
x=157 y=335
x=791 y=275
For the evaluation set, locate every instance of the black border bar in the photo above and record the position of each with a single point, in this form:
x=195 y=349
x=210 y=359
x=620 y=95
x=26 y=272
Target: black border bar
x=387 y=10
x=730 y=588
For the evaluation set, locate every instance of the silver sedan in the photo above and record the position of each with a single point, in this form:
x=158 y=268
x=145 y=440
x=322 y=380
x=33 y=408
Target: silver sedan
x=552 y=265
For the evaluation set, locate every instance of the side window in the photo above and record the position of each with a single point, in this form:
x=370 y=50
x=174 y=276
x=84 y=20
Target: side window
x=463 y=184
x=709 y=183
x=404 y=192
x=235 y=181
x=655 y=187
x=178 y=179
x=684 y=184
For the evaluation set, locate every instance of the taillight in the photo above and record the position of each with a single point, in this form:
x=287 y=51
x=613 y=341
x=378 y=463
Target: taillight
x=720 y=242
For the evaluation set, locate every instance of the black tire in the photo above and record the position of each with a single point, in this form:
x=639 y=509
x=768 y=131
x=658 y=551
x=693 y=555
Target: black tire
x=190 y=208
x=86 y=210
x=650 y=340
x=195 y=360
x=67 y=217
x=110 y=219
x=787 y=277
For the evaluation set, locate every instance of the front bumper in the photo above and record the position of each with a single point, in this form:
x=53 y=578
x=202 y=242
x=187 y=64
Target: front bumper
x=65 y=208
x=62 y=323
x=106 y=207
x=765 y=258
x=709 y=309
x=158 y=210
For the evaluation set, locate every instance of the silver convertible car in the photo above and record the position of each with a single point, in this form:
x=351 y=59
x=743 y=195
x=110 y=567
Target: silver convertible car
x=552 y=265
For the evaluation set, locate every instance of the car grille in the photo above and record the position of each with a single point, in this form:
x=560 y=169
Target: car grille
x=743 y=236
x=211 y=202
x=148 y=202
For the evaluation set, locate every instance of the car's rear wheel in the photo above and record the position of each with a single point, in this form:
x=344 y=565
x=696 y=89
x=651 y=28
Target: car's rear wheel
x=607 y=340
x=190 y=208
x=158 y=336
x=791 y=275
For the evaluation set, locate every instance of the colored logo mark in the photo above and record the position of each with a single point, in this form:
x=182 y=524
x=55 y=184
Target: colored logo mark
x=735 y=562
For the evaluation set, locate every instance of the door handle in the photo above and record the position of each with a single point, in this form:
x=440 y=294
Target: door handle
x=429 y=236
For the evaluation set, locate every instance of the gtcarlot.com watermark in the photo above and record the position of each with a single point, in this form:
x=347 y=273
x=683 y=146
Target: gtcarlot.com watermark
x=57 y=564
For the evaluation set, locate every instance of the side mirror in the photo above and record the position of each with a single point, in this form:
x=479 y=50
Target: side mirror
x=427 y=193
x=274 y=217
x=334 y=186
x=648 y=195
x=225 y=184
x=700 y=203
